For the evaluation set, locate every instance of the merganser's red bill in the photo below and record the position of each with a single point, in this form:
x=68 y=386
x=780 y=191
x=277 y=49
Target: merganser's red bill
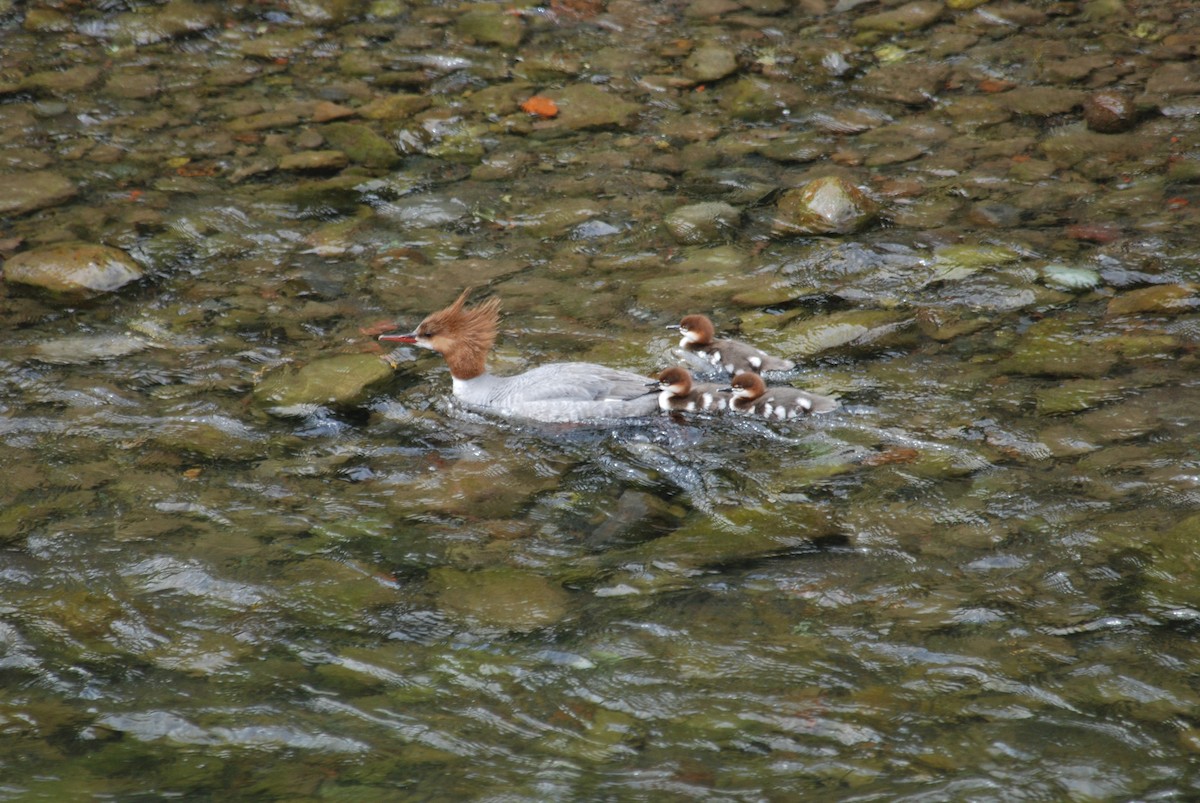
x=411 y=337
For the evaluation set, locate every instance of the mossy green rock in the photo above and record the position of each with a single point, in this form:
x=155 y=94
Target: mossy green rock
x=826 y=205
x=500 y=597
x=340 y=381
x=710 y=274
x=59 y=83
x=908 y=17
x=755 y=99
x=851 y=327
x=73 y=269
x=1161 y=299
x=326 y=12
x=1170 y=582
x=79 y=349
x=361 y=144
x=175 y=19
x=739 y=535
x=1053 y=347
x=395 y=107
x=706 y=222
x=484 y=489
x=38 y=189
x=207 y=437
x=492 y=26
x=710 y=62
x=797 y=148
x=584 y=106
x=329 y=592
x=1076 y=395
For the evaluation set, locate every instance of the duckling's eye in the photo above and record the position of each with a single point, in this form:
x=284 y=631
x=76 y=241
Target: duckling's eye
x=427 y=333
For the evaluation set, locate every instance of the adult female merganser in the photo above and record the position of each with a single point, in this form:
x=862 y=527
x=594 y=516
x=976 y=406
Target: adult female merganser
x=568 y=391
x=677 y=392
x=730 y=356
x=752 y=397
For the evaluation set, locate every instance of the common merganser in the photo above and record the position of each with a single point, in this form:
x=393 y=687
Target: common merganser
x=559 y=392
x=677 y=392
x=730 y=356
x=752 y=397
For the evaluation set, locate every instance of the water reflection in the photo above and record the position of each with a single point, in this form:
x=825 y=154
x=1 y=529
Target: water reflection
x=973 y=581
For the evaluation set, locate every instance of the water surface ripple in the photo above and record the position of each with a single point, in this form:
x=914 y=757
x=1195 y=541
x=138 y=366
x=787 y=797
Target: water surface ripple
x=245 y=553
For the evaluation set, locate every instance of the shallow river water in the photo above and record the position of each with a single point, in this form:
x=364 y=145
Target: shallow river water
x=245 y=553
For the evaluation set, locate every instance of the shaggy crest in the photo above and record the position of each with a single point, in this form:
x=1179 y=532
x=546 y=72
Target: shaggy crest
x=463 y=335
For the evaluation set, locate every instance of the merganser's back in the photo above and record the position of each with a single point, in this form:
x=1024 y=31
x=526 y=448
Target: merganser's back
x=678 y=392
x=730 y=356
x=570 y=391
x=752 y=397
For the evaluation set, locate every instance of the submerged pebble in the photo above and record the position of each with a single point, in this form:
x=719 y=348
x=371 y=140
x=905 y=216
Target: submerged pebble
x=27 y=192
x=710 y=62
x=71 y=269
x=1053 y=347
x=1163 y=299
x=584 y=106
x=500 y=597
x=829 y=205
x=88 y=348
x=342 y=380
x=704 y=222
x=1109 y=112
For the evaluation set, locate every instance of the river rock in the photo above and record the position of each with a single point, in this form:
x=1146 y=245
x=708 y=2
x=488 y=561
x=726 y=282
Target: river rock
x=27 y=192
x=1161 y=299
x=1052 y=347
x=797 y=148
x=1174 y=78
x=361 y=144
x=710 y=62
x=753 y=98
x=583 y=106
x=707 y=222
x=314 y=160
x=278 y=44
x=341 y=381
x=1066 y=277
x=1042 y=101
x=131 y=84
x=80 y=349
x=840 y=329
x=400 y=106
x=73 y=269
x=500 y=597
x=326 y=12
x=944 y=325
x=492 y=26
x=908 y=17
x=1077 y=395
x=826 y=205
x=175 y=19
x=1109 y=112
x=43 y=20
x=913 y=84
x=212 y=437
x=63 y=82
x=740 y=535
